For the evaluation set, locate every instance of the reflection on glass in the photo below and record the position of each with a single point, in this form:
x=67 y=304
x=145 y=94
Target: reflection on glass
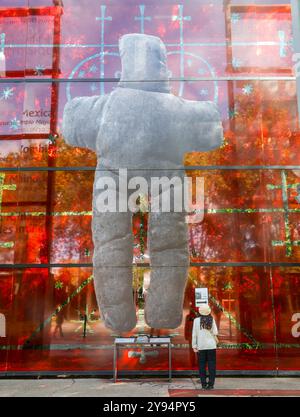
x=206 y=38
x=58 y=308
x=287 y=309
x=239 y=56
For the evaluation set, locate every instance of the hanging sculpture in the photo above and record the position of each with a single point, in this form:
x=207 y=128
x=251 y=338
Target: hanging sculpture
x=142 y=131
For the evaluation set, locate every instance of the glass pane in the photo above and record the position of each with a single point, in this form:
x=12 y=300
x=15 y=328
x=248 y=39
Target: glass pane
x=6 y=300
x=287 y=309
x=242 y=307
x=58 y=308
x=202 y=38
x=206 y=37
x=249 y=210
x=259 y=120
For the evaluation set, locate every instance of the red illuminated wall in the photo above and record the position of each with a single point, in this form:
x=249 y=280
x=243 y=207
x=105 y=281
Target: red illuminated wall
x=247 y=248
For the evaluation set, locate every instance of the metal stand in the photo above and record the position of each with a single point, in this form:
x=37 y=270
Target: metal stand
x=130 y=342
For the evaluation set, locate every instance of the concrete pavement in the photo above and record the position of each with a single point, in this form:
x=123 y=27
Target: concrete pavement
x=148 y=387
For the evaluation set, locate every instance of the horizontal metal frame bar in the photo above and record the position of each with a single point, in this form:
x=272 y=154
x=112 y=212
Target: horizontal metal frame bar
x=115 y=80
x=179 y=373
x=147 y=265
x=126 y=346
x=168 y=45
x=186 y=168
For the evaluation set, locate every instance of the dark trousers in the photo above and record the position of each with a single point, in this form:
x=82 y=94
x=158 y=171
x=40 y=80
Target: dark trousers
x=207 y=357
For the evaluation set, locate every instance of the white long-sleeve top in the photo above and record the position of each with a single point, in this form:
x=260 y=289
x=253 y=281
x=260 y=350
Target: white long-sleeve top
x=203 y=339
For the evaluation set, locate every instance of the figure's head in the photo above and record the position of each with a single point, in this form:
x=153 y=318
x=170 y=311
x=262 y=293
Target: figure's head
x=144 y=63
x=204 y=310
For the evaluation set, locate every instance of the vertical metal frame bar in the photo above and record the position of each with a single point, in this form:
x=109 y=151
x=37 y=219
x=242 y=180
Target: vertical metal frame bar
x=170 y=362
x=115 y=370
x=296 y=44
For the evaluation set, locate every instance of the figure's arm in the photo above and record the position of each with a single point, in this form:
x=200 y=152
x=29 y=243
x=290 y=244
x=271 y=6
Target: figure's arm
x=200 y=126
x=81 y=121
x=194 y=336
x=214 y=328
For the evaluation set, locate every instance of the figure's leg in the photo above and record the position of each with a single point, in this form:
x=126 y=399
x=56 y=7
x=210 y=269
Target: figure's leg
x=112 y=260
x=169 y=260
x=202 y=367
x=211 y=359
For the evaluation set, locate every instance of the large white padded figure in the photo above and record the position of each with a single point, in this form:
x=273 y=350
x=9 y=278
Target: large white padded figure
x=141 y=126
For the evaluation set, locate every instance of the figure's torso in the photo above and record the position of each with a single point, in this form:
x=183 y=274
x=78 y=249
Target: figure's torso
x=138 y=130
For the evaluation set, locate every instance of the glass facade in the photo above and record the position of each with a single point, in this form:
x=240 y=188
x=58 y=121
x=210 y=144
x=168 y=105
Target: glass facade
x=246 y=251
